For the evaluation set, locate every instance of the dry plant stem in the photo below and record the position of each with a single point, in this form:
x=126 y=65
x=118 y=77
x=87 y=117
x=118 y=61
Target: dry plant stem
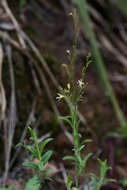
x=17 y=27
x=35 y=78
x=30 y=119
x=12 y=112
x=64 y=173
x=42 y=138
x=5 y=147
x=6 y=37
x=2 y=91
x=7 y=26
x=113 y=50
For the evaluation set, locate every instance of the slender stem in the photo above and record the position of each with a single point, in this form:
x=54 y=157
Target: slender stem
x=76 y=142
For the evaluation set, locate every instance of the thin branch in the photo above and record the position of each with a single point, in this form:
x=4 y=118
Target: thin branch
x=30 y=119
x=12 y=119
x=2 y=91
x=14 y=21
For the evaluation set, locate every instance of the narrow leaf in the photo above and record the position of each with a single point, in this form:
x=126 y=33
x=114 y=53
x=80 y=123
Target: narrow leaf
x=69 y=158
x=69 y=181
x=85 y=141
x=66 y=119
x=44 y=144
x=33 y=184
x=30 y=165
x=46 y=156
x=31 y=149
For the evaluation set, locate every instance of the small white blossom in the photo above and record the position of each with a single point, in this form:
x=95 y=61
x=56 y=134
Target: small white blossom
x=60 y=96
x=68 y=86
x=68 y=52
x=70 y=14
x=80 y=83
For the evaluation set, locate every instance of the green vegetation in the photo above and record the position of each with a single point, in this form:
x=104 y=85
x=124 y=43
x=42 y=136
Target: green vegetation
x=22 y=2
x=42 y=159
x=73 y=92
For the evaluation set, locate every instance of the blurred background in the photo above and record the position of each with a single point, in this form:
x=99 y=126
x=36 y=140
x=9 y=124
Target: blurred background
x=34 y=37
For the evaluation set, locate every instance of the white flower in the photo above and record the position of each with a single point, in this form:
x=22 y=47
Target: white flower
x=68 y=52
x=60 y=96
x=68 y=86
x=70 y=14
x=80 y=83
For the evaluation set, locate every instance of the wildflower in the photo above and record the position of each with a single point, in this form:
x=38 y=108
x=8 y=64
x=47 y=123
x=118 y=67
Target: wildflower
x=80 y=83
x=68 y=52
x=68 y=86
x=70 y=14
x=60 y=96
x=67 y=90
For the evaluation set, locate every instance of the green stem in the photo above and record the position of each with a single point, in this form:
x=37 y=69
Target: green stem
x=76 y=142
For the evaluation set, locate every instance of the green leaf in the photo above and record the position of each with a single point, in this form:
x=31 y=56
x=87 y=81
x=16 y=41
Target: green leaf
x=69 y=158
x=69 y=181
x=48 y=170
x=87 y=140
x=83 y=163
x=40 y=165
x=81 y=147
x=22 y=2
x=66 y=119
x=30 y=165
x=107 y=180
x=104 y=168
x=31 y=149
x=124 y=182
x=78 y=171
x=79 y=134
x=123 y=5
x=78 y=123
x=33 y=134
x=86 y=159
x=94 y=181
x=33 y=184
x=75 y=188
x=18 y=145
x=44 y=144
x=46 y=156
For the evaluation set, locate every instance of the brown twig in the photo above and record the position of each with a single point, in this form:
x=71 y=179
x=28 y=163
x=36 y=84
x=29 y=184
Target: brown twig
x=2 y=91
x=14 y=21
x=12 y=119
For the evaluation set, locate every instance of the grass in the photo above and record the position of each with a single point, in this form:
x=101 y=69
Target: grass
x=82 y=7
